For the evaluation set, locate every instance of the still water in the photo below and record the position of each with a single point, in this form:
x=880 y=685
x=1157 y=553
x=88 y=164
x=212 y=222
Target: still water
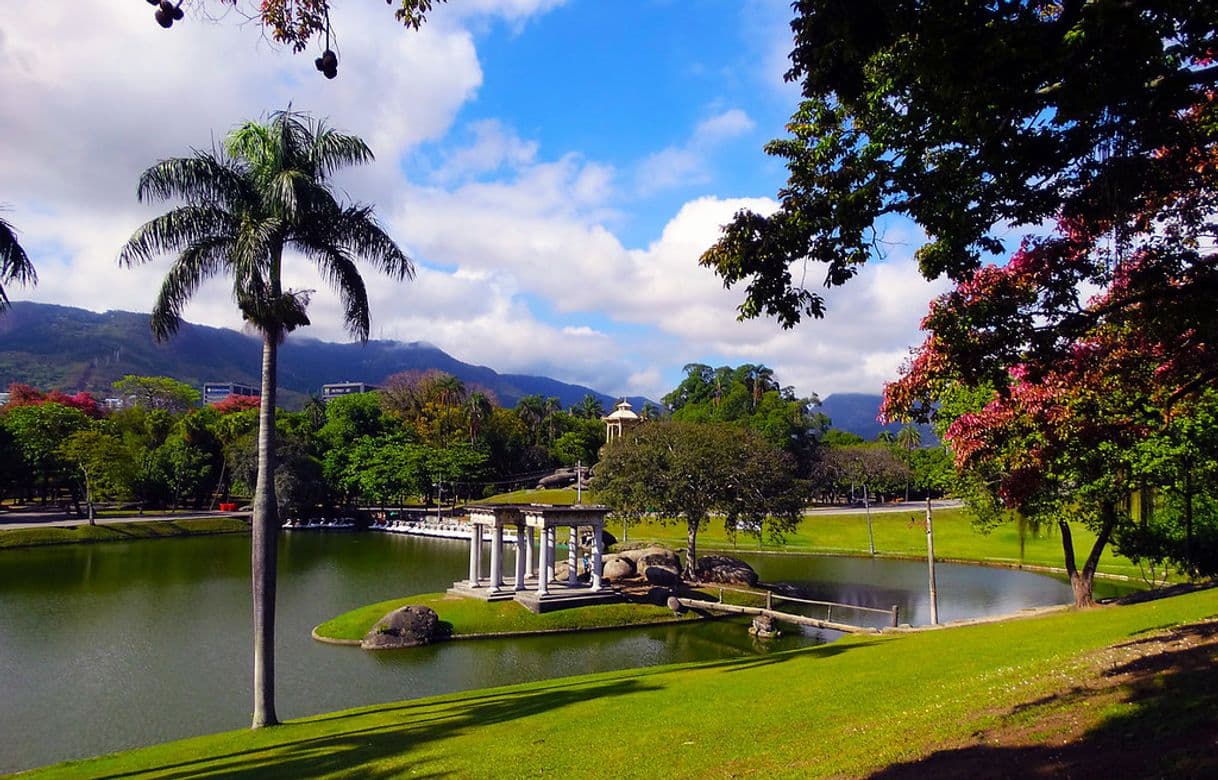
x=110 y=646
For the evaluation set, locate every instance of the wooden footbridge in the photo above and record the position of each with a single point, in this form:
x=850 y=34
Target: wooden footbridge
x=893 y=614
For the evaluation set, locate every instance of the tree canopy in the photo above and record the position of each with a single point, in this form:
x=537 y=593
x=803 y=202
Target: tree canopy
x=971 y=118
x=294 y=23
x=685 y=471
x=752 y=397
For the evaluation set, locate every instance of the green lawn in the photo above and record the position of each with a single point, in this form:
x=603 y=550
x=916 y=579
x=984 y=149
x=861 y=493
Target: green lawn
x=120 y=532
x=473 y=616
x=844 y=709
x=557 y=496
x=901 y=534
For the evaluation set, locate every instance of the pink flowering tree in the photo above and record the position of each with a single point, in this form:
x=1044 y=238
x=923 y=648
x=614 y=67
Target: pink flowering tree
x=1067 y=394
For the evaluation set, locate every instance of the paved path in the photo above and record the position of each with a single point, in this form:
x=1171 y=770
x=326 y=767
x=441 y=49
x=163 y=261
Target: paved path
x=912 y=506
x=46 y=518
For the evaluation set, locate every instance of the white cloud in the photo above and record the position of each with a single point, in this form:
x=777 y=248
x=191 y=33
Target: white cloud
x=721 y=127
x=493 y=147
x=515 y=251
x=686 y=164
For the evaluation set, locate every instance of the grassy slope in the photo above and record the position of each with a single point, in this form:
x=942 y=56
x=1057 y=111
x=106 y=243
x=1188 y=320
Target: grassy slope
x=472 y=616
x=120 y=532
x=557 y=496
x=847 y=708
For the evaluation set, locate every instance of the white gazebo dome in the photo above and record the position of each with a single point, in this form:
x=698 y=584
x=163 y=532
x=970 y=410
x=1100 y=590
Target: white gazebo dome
x=619 y=419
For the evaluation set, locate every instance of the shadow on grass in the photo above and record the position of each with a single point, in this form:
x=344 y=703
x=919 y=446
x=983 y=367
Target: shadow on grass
x=376 y=742
x=1158 y=718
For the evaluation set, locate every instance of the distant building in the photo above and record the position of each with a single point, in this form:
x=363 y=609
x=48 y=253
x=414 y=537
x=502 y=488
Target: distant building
x=113 y=404
x=336 y=389
x=4 y=398
x=620 y=420
x=214 y=392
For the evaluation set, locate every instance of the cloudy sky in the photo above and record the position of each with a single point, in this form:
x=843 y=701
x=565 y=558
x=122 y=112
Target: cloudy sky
x=554 y=168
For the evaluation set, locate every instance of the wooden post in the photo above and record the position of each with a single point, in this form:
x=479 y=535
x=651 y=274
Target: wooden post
x=721 y=595
x=896 y=615
x=829 y=614
x=769 y=600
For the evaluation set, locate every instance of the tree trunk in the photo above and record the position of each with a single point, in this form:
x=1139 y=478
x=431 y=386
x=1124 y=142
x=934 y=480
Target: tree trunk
x=1188 y=521
x=264 y=547
x=691 y=547
x=1082 y=580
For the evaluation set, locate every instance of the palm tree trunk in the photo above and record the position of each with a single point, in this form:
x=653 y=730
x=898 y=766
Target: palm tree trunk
x=264 y=548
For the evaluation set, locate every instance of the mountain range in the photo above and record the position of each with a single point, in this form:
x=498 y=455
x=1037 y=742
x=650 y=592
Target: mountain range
x=857 y=412
x=70 y=349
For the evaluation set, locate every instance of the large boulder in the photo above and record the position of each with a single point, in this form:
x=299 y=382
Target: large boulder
x=559 y=479
x=615 y=567
x=408 y=626
x=561 y=570
x=721 y=568
x=654 y=553
x=660 y=569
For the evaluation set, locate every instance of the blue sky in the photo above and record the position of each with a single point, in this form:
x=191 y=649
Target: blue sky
x=555 y=169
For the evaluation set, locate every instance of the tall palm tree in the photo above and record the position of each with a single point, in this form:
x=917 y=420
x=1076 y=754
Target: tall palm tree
x=478 y=408
x=531 y=411
x=909 y=438
x=589 y=408
x=550 y=407
x=15 y=265
x=266 y=191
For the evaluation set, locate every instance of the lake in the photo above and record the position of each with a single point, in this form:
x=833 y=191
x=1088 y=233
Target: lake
x=110 y=646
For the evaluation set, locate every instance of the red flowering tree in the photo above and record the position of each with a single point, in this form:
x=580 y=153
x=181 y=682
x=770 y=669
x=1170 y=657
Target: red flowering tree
x=237 y=403
x=1074 y=391
x=28 y=395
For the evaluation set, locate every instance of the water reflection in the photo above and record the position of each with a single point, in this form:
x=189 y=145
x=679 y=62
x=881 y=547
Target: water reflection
x=104 y=647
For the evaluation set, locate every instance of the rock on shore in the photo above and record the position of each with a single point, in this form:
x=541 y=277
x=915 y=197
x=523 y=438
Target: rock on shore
x=408 y=626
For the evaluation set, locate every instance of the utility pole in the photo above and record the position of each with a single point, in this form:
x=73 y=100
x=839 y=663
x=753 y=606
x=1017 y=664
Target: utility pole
x=930 y=562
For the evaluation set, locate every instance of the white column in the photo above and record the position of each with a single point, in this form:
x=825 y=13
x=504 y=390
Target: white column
x=549 y=554
x=521 y=541
x=543 y=580
x=497 y=557
x=478 y=555
x=530 y=570
x=572 y=556
x=474 y=541
x=598 y=541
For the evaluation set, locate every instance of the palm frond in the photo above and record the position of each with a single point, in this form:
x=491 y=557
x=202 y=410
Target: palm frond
x=255 y=245
x=196 y=264
x=15 y=265
x=357 y=230
x=204 y=178
x=252 y=143
x=342 y=275
x=175 y=231
x=331 y=151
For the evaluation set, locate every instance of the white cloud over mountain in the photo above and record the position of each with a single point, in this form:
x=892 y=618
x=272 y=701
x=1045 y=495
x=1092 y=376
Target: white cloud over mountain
x=519 y=264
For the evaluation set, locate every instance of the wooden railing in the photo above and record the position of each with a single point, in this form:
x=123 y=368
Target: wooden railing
x=770 y=596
